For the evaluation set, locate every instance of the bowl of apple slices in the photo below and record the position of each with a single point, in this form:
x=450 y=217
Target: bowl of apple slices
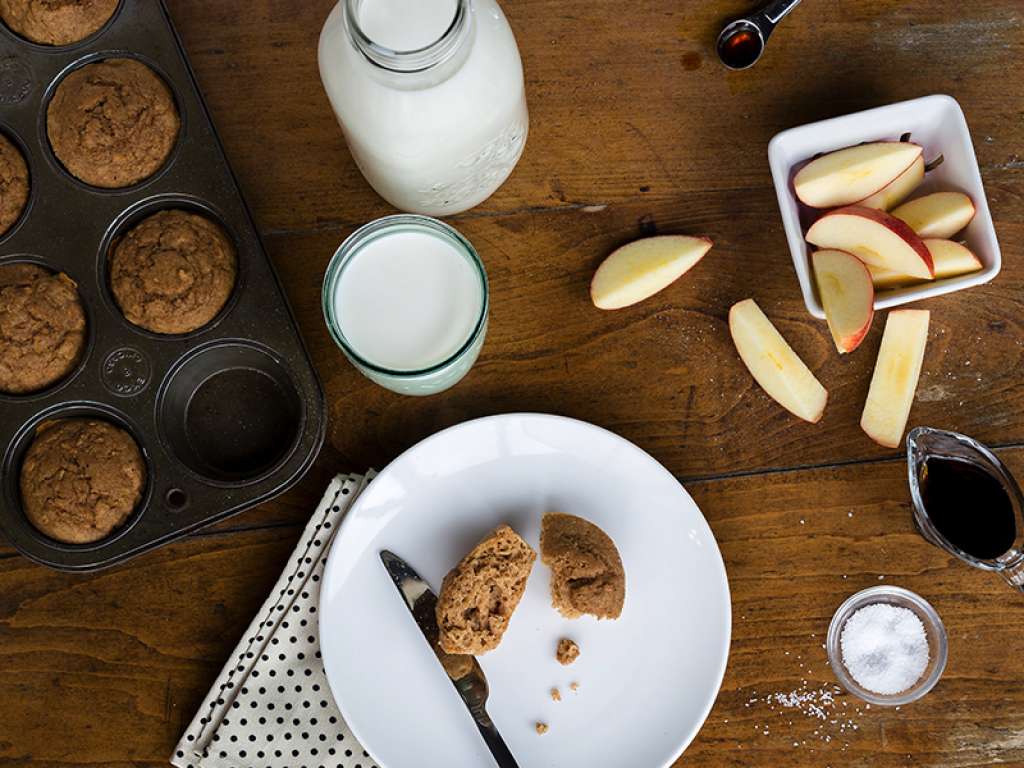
x=881 y=208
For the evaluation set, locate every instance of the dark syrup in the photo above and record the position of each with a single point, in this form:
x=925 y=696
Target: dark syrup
x=969 y=507
x=740 y=49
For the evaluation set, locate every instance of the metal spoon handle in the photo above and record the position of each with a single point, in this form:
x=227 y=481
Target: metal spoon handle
x=777 y=11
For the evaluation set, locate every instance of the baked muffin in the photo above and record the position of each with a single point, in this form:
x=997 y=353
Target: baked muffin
x=113 y=123
x=173 y=272
x=56 y=22
x=13 y=183
x=586 y=571
x=42 y=328
x=81 y=479
x=480 y=594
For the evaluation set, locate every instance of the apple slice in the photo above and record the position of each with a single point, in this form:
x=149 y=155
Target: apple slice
x=875 y=238
x=773 y=363
x=848 y=175
x=884 y=279
x=895 y=379
x=847 y=295
x=640 y=269
x=950 y=260
x=941 y=214
x=897 y=190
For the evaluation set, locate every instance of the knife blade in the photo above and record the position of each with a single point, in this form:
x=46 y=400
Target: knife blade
x=464 y=671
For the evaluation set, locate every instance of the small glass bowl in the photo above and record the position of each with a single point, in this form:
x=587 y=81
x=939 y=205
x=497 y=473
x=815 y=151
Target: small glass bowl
x=938 y=647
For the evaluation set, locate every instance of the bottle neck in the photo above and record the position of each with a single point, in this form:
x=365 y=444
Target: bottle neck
x=439 y=55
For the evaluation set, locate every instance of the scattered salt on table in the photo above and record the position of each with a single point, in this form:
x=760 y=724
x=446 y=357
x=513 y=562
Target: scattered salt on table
x=884 y=648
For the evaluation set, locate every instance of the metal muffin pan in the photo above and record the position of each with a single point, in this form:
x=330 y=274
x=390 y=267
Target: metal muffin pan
x=227 y=416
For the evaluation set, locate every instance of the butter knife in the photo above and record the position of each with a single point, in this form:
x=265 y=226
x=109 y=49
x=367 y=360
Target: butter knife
x=464 y=671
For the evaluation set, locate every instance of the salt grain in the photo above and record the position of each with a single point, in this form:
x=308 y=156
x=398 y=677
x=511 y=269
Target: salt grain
x=884 y=648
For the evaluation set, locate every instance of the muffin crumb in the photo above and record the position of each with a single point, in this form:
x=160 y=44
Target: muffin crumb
x=555 y=695
x=574 y=687
x=542 y=728
x=567 y=652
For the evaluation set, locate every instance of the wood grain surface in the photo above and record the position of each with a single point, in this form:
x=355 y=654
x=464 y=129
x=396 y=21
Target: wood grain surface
x=635 y=129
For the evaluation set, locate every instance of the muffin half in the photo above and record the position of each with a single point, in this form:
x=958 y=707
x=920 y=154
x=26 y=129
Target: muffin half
x=480 y=594
x=586 y=571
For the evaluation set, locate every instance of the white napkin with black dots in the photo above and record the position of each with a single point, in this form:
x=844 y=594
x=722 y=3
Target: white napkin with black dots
x=271 y=706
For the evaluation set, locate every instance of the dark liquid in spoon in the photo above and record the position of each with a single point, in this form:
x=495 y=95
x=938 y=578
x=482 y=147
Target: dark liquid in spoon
x=740 y=49
x=969 y=507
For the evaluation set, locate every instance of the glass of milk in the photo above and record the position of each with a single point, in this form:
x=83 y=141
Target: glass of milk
x=405 y=297
x=430 y=97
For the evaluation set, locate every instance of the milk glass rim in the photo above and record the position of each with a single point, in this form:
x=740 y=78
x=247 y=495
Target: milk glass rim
x=934 y=629
x=378 y=228
x=416 y=60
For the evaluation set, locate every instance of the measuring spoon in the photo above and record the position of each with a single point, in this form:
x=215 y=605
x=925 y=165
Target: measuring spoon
x=742 y=41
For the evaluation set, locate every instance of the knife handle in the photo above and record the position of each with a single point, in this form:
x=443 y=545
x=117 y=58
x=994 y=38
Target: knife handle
x=500 y=751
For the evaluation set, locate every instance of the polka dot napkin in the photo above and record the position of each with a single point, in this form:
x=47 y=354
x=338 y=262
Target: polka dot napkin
x=270 y=706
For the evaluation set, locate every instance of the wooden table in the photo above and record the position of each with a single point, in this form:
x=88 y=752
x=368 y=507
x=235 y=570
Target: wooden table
x=635 y=129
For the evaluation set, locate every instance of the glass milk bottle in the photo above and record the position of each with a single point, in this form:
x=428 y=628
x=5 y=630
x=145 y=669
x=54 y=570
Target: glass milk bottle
x=430 y=96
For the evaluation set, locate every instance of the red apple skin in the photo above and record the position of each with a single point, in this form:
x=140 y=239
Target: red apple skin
x=854 y=341
x=898 y=226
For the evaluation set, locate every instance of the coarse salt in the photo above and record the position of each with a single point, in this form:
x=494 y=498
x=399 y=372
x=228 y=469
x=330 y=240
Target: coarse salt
x=885 y=648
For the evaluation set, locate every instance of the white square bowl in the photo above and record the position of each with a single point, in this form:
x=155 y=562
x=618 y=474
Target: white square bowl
x=935 y=122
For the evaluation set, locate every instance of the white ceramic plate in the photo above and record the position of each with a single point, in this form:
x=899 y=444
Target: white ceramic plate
x=646 y=681
x=936 y=122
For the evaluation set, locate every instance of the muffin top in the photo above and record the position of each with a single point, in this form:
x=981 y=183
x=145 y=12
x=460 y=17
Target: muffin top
x=13 y=183
x=173 y=272
x=113 y=123
x=42 y=328
x=81 y=479
x=56 y=22
x=587 y=576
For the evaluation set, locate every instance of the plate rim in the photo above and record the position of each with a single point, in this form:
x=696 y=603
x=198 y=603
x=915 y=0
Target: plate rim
x=354 y=509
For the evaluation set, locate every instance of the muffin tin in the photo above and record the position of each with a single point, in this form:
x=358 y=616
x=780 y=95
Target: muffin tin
x=227 y=416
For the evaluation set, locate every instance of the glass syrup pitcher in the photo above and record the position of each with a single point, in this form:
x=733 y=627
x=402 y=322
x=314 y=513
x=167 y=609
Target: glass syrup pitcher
x=967 y=502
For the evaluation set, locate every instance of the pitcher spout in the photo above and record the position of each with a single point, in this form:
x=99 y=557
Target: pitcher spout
x=1014 y=574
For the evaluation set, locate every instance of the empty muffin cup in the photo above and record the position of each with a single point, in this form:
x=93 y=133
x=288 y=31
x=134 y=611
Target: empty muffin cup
x=230 y=412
